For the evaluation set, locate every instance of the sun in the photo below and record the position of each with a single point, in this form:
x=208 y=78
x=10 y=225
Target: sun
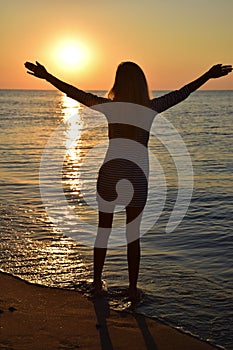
x=70 y=55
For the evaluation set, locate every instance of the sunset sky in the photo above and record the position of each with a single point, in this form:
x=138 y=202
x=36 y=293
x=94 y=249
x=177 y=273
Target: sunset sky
x=82 y=42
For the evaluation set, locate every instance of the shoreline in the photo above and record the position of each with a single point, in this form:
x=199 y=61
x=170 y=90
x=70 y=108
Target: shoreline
x=40 y=317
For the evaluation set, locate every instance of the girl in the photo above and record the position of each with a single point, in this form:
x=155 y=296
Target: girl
x=130 y=86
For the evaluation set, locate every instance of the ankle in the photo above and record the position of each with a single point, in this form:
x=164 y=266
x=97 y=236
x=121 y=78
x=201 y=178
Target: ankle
x=97 y=282
x=132 y=287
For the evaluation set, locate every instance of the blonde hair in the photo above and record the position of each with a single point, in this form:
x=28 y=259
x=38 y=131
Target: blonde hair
x=130 y=85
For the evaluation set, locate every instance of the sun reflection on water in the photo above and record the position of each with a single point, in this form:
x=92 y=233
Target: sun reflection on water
x=73 y=121
x=78 y=142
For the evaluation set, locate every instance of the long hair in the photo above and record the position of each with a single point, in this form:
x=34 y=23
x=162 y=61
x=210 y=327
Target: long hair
x=130 y=85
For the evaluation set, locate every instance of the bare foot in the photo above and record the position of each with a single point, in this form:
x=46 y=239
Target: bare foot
x=135 y=294
x=98 y=288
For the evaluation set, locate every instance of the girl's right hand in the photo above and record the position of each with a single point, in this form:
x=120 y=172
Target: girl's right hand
x=37 y=70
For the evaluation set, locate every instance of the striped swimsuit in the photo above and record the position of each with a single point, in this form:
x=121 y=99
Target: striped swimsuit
x=127 y=154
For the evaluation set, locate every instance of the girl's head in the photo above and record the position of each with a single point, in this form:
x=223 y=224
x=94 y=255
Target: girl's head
x=130 y=85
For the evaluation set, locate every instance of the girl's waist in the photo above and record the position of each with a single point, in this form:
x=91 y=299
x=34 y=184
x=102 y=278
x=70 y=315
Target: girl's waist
x=128 y=132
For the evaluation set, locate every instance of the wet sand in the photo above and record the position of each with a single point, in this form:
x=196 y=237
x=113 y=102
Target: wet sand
x=42 y=318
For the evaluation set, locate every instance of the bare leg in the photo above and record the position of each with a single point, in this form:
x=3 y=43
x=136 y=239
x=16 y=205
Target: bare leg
x=99 y=258
x=105 y=223
x=133 y=221
x=133 y=256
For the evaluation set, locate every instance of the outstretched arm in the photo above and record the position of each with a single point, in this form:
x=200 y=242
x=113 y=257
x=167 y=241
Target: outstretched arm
x=39 y=71
x=216 y=71
x=161 y=104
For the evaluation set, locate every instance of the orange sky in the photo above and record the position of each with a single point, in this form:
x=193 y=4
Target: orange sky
x=173 y=41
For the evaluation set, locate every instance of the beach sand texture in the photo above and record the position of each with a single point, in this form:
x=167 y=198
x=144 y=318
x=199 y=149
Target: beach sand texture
x=34 y=317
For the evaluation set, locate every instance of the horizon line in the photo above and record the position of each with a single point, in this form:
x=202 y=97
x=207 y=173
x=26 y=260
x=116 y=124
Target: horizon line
x=28 y=89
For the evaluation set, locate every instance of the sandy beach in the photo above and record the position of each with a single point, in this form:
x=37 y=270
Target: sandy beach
x=34 y=317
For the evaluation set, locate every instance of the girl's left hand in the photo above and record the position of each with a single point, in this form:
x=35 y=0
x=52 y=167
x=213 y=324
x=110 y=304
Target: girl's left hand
x=219 y=70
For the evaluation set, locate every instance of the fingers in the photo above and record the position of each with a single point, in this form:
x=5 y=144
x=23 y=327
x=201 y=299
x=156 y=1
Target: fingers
x=226 y=69
x=219 y=70
x=225 y=66
x=26 y=63
x=218 y=65
x=38 y=64
x=31 y=73
x=30 y=66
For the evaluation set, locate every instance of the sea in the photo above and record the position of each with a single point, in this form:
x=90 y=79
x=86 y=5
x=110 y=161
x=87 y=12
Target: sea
x=186 y=274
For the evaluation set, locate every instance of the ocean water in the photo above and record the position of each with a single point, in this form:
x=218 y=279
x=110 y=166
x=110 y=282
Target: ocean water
x=187 y=275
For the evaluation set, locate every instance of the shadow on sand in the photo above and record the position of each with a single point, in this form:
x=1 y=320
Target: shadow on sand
x=102 y=311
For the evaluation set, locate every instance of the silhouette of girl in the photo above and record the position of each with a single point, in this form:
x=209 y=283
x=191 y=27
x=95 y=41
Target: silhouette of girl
x=130 y=86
